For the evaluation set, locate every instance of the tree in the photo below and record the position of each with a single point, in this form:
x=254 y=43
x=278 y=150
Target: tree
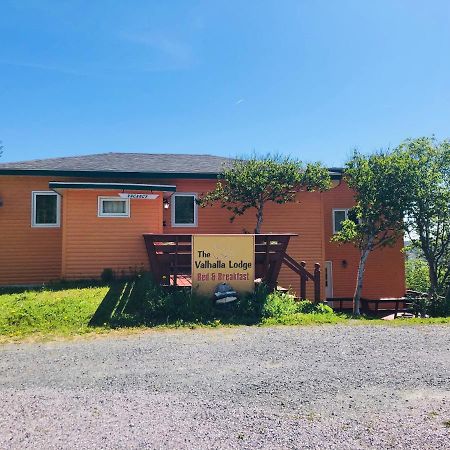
x=380 y=183
x=417 y=275
x=428 y=213
x=251 y=183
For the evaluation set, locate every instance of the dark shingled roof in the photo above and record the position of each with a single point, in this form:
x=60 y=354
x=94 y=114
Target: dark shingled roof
x=145 y=163
x=127 y=165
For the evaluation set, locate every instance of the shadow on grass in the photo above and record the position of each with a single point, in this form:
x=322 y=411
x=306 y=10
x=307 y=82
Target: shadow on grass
x=138 y=302
x=110 y=302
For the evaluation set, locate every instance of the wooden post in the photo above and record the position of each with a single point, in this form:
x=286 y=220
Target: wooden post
x=175 y=268
x=317 y=282
x=303 y=280
x=151 y=251
x=282 y=242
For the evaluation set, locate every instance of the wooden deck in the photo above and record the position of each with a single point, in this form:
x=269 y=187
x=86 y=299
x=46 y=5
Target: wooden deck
x=170 y=257
x=383 y=307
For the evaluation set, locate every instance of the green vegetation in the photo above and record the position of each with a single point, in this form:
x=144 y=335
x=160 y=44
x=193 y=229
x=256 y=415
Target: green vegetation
x=49 y=311
x=407 y=189
x=380 y=183
x=149 y=305
x=428 y=213
x=253 y=182
x=417 y=275
x=79 y=308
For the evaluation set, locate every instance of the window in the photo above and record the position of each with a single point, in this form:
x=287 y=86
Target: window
x=45 y=209
x=184 y=210
x=113 y=207
x=339 y=215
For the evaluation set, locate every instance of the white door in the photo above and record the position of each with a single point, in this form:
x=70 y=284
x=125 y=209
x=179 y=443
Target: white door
x=329 y=280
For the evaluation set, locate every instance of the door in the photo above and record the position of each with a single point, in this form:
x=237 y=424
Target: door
x=329 y=281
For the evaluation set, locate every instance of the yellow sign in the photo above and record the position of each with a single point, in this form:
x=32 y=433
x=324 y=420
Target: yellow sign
x=220 y=261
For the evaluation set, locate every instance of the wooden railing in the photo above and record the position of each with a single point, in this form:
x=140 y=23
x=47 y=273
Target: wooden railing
x=170 y=257
x=305 y=275
x=375 y=307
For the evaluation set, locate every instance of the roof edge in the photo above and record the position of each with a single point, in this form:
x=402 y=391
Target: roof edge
x=106 y=174
x=114 y=186
x=335 y=174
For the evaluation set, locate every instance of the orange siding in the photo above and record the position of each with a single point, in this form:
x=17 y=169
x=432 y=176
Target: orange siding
x=86 y=244
x=303 y=218
x=385 y=271
x=93 y=243
x=28 y=255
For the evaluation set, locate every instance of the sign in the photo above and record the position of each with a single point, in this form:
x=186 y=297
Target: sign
x=139 y=196
x=219 y=260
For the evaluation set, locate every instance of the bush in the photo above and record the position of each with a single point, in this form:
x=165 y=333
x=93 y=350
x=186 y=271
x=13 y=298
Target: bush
x=168 y=306
x=249 y=308
x=146 y=303
x=306 y=307
x=417 y=276
x=107 y=275
x=278 y=305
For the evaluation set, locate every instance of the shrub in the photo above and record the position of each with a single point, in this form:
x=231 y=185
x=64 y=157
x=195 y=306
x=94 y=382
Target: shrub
x=250 y=307
x=146 y=303
x=279 y=304
x=417 y=276
x=107 y=275
x=307 y=307
x=157 y=305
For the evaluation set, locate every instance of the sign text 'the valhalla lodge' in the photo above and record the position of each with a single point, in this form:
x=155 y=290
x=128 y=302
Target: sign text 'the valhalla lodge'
x=220 y=259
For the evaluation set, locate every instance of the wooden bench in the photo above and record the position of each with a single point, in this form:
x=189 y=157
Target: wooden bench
x=392 y=305
x=395 y=305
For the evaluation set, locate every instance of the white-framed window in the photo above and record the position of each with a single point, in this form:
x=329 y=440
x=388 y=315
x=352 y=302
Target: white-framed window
x=113 y=207
x=184 y=209
x=339 y=215
x=45 y=209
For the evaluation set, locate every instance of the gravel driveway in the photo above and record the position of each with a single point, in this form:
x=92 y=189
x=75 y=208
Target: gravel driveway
x=284 y=387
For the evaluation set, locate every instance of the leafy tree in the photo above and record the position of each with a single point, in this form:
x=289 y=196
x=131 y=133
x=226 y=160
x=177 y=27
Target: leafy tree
x=417 y=275
x=428 y=213
x=380 y=183
x=251 y=183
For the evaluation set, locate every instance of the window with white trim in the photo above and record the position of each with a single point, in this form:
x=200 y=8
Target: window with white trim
x=339 y=215
x=113 y=207
x=184 y=210
x=45 y=209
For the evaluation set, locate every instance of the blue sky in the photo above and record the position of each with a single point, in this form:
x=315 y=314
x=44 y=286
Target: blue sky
x=314 y=79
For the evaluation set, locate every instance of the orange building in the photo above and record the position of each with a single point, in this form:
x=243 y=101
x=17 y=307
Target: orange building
x=70 y=218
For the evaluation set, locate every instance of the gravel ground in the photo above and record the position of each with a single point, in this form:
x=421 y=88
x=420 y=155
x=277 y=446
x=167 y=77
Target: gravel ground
x=338 y=387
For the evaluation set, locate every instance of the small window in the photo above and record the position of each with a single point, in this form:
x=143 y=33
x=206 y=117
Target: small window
x=113 y=207
x=339 y=215
x=184 y=210
x=45 y=209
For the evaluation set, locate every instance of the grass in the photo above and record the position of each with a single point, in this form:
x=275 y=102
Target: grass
x=64 y=310
x=49 y=312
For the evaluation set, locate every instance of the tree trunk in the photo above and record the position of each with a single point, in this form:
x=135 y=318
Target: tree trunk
x=447 y=300
x=434 y=288
x=359 y=281
x=434 y=282
x=259 y=220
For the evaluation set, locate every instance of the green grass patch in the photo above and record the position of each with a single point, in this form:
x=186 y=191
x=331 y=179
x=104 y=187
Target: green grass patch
x=305 y=319
x=49 y=312
x=67 y=309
